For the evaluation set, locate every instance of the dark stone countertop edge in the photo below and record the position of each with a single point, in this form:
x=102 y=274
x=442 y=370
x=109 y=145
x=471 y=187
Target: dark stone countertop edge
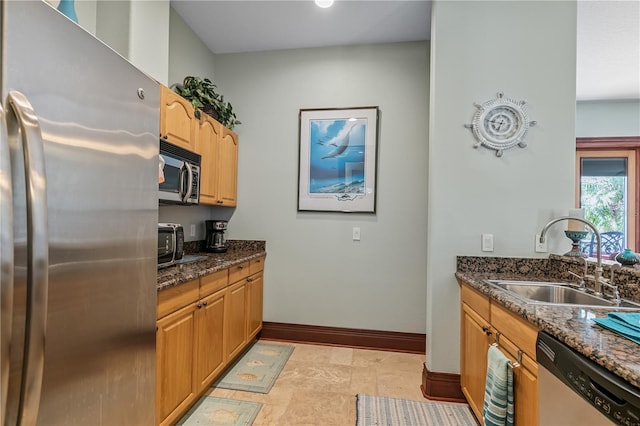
x=239 y=252
x=613 y=352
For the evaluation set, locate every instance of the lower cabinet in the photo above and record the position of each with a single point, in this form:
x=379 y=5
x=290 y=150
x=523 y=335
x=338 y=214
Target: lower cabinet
x=202 y=326
x=209 y=325
x=175 y=340
x=484 y=323
x=236 y=334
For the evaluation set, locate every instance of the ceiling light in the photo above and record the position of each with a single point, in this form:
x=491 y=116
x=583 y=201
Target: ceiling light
x=324 y=3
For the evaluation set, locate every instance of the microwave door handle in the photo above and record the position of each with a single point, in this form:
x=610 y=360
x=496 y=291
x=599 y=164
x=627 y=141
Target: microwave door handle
x=189 y=182
x=25 y=118
x=6 y=261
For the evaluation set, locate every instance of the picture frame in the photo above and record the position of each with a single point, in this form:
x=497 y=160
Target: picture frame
x=337 y=164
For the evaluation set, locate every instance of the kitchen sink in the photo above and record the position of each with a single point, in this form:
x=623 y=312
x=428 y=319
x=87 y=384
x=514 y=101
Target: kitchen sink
x=555 y=293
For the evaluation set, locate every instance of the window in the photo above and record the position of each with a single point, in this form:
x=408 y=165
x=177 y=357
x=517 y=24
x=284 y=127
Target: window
x=607 y=186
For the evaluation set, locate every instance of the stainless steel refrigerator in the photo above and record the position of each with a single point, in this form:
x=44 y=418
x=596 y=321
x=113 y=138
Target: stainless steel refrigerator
x=79 y=155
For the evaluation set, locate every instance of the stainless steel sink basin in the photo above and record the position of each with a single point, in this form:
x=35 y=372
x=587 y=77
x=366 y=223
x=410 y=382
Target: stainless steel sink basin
x=551 y=293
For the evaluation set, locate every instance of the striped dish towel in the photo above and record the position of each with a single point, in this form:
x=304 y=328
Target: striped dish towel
x=498 y=393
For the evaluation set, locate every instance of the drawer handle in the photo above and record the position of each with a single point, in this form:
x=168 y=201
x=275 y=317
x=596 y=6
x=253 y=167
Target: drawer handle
x=240 y=266
x=249 y=279
x=487 y=330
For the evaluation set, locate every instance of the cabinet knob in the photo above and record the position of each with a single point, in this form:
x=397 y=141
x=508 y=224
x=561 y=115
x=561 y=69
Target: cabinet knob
x=199 y=305
x=165 y=137
x=204 y=303
x=249 y=279
x=487 y=330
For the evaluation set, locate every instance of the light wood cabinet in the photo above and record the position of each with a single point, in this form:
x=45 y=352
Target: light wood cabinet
x=208 y=139
x=202 y=326
x=482 y=323
x=178 y=122
x=475 y=338
x=175 y=341
x=255 y=288
x=236 y=318
x=228 y=172
x=218 y=147
x=210 y=352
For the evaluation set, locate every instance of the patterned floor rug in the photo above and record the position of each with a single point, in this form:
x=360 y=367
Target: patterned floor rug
x=212 y=411
x=257 y=369
x=380 y=410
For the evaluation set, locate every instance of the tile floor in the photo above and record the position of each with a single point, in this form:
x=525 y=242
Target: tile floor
x=318 y=384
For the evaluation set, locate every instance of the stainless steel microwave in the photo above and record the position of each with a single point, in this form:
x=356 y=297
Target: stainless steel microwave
x=179 y=175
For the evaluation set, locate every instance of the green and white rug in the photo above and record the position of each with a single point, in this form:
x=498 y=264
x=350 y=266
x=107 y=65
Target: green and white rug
x=380 y=410
x=257 y=369
x=212 y=411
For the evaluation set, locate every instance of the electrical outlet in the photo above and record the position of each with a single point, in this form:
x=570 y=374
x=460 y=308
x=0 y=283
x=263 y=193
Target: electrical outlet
x=356 y=234
x=192 y=230
x=487 y=242
x=541 y=247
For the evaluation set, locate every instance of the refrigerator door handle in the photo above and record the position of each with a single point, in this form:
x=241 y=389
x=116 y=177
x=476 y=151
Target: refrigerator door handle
x=25 y=118
x=6 y=261
x=189 y=182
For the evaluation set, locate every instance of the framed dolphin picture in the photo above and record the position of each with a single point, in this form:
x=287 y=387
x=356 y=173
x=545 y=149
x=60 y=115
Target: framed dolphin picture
x=338 y=159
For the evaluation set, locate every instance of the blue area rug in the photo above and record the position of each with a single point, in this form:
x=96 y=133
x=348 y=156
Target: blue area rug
x=380 y=410
x=210 y=410
x=257 y=369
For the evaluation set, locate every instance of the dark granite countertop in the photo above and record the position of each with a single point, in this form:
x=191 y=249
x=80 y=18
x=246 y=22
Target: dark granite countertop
x=572 y=325
x=239 y=251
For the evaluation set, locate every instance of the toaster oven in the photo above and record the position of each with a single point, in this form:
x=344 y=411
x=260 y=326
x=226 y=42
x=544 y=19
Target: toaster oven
x=170 y=243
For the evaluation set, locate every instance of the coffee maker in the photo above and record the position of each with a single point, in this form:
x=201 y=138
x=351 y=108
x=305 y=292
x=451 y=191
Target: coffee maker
x=215 y=236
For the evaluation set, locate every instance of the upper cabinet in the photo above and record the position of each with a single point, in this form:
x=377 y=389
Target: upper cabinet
x=178 y=122
x=218 y=147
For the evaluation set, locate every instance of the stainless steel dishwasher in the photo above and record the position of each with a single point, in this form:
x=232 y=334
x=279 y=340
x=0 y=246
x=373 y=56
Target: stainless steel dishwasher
x=573 y=390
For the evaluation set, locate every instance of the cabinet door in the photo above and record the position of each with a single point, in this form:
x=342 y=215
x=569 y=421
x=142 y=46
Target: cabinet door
x=207 y=145
x=174 y=364
x=254 y=322
x=177 y=119
x=236 y=315
x=228 y=171
x=525 y=396
x=210 y=353
x=474 y=342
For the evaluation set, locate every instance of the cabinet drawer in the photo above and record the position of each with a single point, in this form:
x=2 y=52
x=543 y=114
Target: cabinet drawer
x=238 y=272
x=476 y=300
x=174 y=298
x=213 y=282
x=516 y=329
x=256 y=265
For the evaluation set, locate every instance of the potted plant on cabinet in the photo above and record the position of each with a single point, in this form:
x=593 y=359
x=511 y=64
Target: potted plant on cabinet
x=201 y=92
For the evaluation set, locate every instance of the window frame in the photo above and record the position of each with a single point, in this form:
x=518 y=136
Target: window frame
x=629 y=147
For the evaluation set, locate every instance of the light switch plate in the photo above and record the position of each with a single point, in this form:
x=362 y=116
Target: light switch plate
x=356 y=234
x=192 y=230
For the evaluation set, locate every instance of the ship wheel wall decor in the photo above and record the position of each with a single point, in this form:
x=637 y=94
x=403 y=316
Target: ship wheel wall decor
x=500 y=124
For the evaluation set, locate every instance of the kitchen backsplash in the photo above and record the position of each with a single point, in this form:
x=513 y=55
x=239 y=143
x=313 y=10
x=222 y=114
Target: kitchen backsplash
x=553 y=268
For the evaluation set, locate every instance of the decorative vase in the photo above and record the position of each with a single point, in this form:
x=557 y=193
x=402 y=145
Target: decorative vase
x=627 y=258
x=67 y=7
x=575 y=237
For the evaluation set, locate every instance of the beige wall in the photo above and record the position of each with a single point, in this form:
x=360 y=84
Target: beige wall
x=315 y=274
x=477 y=49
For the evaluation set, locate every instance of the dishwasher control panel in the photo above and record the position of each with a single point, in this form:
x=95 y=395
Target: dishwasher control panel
x=614 y=397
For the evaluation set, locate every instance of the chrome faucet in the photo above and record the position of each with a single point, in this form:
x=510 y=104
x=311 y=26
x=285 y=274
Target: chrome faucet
x=597 y=276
